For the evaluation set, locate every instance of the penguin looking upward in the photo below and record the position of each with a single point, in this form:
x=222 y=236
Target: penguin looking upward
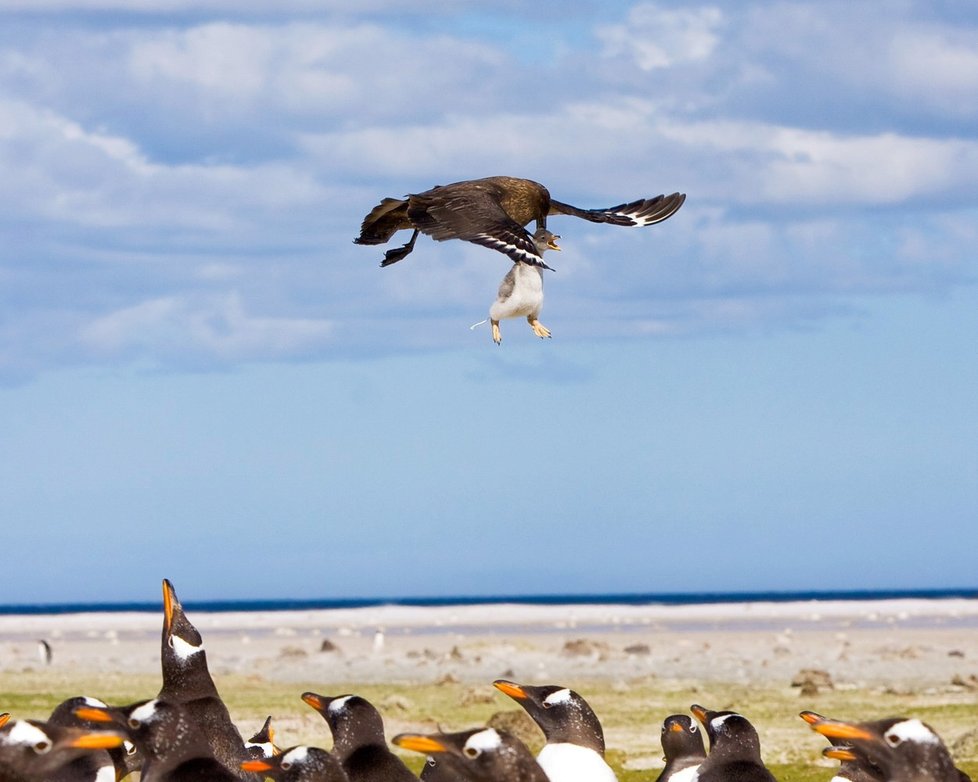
x=358 y=739
x=682 y=745
x=298 y=764
x=479 y=755
x=574 y=751
x=852 y=768
x=32 y=750
x=173 y=746
x=187 y=681
x=906 y=750
x=735 y=749
x=104 y=766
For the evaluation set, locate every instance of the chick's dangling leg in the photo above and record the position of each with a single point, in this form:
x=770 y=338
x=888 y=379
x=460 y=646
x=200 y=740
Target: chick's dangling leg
x=538 y=328
x=497 y=337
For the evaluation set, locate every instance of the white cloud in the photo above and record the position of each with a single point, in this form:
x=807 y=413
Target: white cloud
x=657 y=37
x=215 y=328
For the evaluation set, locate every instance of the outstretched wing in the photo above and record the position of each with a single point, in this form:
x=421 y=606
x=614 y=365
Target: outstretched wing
x=645 y=211
x=473 y=216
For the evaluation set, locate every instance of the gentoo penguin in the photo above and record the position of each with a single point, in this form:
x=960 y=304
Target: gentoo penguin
x=521 y=291
x=104 y=766
x=852 y=768
x=187 y=681
x=358 y=739
x=36 y=751
x=735 y=749
x=439 y=769
x=906 y=750
x=172 y=744
x=298 y=764
x=262 y=744
x=479 y=755
x=682 y=746
x=574 y=751
x=492 y=212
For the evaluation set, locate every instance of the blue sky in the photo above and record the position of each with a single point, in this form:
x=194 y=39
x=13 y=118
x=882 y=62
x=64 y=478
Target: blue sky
x=202 y=378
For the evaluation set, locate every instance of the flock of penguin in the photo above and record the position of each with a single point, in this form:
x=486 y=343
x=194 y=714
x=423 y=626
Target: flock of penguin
x=185 y=734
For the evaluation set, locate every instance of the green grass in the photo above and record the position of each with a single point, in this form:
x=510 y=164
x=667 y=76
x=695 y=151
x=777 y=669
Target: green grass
x=631 y=714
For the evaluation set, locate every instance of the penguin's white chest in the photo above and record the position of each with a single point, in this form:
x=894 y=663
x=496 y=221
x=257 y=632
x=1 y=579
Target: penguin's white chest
x=520 y=294
x=572 y=763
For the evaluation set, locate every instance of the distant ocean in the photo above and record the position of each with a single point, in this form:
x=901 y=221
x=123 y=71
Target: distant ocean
x=692 y=598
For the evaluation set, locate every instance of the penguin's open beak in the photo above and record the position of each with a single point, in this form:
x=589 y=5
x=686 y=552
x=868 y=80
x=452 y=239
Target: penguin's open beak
x=418 y=743
x=97 y=740
x=834 y=729
x=93 y=714
x=511 y=689
x=169 y=600
x=552 y=242
x=811 y=717
x=839 y=753
x=318 y=702
x=256 y=765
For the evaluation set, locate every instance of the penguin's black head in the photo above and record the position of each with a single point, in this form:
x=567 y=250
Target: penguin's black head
x=896 y=745
x=38 y=749
x=298 y=763
x=729 y=730
x=479 y=755
x=352 y=720
x=562 y=714
x=262 y=744
x=681 y=737
x=181 y=640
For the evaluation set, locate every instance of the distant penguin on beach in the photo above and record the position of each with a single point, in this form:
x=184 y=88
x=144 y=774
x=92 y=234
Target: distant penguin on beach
x=574 y=751
x=682 y=746
x=44 y=651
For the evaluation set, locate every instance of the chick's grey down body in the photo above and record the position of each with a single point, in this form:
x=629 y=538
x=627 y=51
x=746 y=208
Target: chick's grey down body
x=521 y=291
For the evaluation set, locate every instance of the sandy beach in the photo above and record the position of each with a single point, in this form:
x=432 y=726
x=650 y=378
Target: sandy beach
x=902 y=643
x=912 y=653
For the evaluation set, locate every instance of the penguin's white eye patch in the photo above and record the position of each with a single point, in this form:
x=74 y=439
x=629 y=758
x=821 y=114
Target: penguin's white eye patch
x=42 y=747
x=561 y=696
x=910 y=730
x=471 y=752
x=693 y=727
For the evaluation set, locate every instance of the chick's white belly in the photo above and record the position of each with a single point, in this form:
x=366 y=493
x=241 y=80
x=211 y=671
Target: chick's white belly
x=571 y=763
x=526 y=297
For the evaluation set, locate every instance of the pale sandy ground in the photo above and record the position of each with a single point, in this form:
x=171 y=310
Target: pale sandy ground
x=896 y=643
x=924 y=649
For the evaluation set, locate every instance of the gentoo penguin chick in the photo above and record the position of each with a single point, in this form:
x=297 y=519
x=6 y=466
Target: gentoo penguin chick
x=298 y=764
x=852 y=768
x=574 y=751
x=262 y=744
x=173 y=746
x=102 y=766
x=31 y=750
x=479 y=755
x=682 y=746
x=521 y=291
x=187 y=681
x=735 y=749
x=358 y=739
x=906 y=750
